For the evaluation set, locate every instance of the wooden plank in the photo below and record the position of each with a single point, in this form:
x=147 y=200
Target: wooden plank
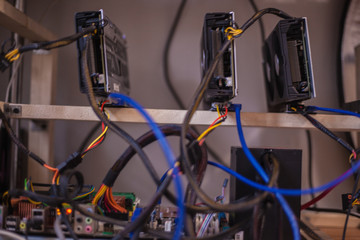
x=332 y=224
x=42 y=91
x=164 y=116
x=16 y=21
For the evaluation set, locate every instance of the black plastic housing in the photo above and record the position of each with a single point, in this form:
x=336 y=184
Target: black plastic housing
x=287 y=65
x=222 y=86
x=275 y=225
x=106 y=56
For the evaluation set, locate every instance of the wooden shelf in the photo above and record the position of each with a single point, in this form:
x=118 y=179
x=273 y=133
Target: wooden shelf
x=331 y=225
x=16 y=21
x=163 y=116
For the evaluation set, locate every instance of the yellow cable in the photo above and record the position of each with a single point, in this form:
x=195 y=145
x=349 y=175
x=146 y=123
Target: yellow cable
x=177 y=164
x=57 y=44
x=34 y=202
x=85 y=194
x=101 y=192
x=207 y=131
x=4 y=194
x=14 y=58
x=351 y=156
x=232 y=32
x=66 y=205
x=218 y=110
x=31 y=186
x=101 y=135
x=32 y=189
x=11 y=53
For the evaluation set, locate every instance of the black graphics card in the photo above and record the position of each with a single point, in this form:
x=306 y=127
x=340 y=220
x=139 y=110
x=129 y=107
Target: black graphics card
x=106 y=54
x=287 y=65
x=222 y=86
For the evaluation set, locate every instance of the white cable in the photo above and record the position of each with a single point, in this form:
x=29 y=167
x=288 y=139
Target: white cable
x=13 y=78
x=57 y=228
x=10 y=235
x=206 y=224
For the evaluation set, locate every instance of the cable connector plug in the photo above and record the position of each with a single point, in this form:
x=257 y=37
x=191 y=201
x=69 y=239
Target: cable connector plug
x=226 y=180
x=234 y=106
x=194 y=152
x=311 y=109
x=4 y=63
x=72 y=161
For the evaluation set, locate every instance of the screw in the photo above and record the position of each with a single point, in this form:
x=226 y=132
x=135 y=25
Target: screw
x=16 y=110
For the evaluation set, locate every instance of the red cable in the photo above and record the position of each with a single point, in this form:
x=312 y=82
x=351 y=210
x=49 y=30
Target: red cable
x=318 y=198
x=220 y=117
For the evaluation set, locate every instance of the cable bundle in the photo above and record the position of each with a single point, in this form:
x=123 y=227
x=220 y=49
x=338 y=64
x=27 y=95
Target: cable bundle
x=191 y=163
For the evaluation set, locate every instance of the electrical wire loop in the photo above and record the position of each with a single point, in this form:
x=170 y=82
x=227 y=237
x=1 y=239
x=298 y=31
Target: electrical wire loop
x=232 y=33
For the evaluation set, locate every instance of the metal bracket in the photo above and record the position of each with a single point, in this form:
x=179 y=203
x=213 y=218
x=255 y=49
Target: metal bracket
x=12 y=110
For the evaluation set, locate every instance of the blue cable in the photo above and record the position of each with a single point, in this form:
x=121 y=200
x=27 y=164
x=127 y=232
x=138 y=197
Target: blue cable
x=161 y=180
x=312 y=108
x=247 y=152
x=288 y=192
x=167 y=152
x=289 y=213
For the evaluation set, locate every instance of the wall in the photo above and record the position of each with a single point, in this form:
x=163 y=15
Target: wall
x=146 y=24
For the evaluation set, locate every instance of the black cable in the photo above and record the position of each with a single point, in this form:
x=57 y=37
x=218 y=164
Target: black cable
x=261 y=13
x=238 y=205
x=350 y=204
x=339 y=72
x=53 y=201
x=340 y=86
x=57 y=43
x=90 y=94
x=325 y=130
x=168 y=130
x=165 y=62
x=310 y=163
x=261 y=23
x=64 y=184
x=141 y=219
x=136 y=233
x=148 y=138
x=166 y=55
x=67 y=222
x=331 y=210
x=309 y=231
x=194 y=105
x=16 y=140
x=199 y=159
x=92 y=101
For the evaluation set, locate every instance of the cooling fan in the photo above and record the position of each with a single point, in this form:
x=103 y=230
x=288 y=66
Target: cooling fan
x=287 y=65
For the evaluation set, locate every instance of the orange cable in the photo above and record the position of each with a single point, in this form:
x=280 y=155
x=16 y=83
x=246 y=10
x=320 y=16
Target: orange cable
x=113 y=203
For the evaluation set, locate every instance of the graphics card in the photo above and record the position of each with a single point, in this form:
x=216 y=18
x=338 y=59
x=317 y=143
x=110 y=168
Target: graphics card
x=287 y=64
x=106 y=54
x=222 y=86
